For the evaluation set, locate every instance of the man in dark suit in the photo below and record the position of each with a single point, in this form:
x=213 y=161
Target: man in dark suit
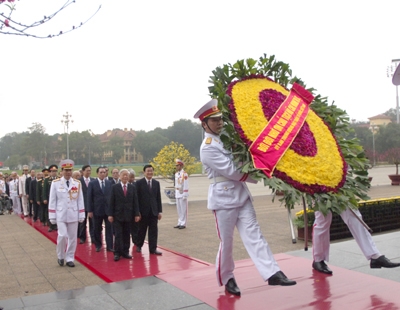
x=98 y=198
x=123 y=210
x=115 y=176
x=149 y=196
x=27 y=191
x=47 y=181
x=34 y=207
x=82 y=227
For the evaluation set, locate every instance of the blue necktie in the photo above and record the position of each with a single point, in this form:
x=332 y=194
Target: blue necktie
x=67 y=183
x=102 y=186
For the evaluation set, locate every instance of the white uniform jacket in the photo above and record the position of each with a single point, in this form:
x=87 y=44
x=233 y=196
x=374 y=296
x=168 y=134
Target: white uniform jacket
x=14 y=187
x=21 y=183
x=66 y=203
x=181 y=184
x=228 y=189
x=2 y=187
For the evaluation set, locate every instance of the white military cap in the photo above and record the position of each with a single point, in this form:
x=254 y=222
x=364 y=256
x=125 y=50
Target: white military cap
x=178 y=161
x=210 y=109
x=67 y=164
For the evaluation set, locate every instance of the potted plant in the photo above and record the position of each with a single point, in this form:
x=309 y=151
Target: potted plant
x=392 y=156
x=164 y=165
x=299 y=222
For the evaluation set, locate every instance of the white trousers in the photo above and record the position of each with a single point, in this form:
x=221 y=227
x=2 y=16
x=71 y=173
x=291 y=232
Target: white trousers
x=182 y=208
x=244 y=218
x=321 y=237
x=25 y=205
x=16 y=204
x=66 y=240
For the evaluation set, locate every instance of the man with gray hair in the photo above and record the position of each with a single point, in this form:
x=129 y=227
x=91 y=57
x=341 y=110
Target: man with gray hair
x=22 y=189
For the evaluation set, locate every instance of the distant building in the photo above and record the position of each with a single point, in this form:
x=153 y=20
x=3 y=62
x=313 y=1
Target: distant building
x=379 y=120
x=131 y=155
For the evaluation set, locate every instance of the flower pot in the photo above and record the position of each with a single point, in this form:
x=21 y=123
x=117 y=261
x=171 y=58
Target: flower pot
x=395 y=178
x=300 y=233
x=170 y=193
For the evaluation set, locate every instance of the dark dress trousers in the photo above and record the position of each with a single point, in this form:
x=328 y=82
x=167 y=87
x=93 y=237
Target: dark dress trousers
x=150 y=206
x=32 y=196
x=82 y=227
x=97 y=202
x=123 y=209
x=27 y=186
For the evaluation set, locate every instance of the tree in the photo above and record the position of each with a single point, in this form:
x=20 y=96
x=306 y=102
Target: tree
x=11 y=26
x=392 y=114
x=392 y=156
x=188 y=133
x=116 y=145
x=36 y=141
x=164 y=162
x=148 y=143
x=387 y=137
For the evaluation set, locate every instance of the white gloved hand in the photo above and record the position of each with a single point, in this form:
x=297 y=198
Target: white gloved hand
x=81 y=220
x=53 y=222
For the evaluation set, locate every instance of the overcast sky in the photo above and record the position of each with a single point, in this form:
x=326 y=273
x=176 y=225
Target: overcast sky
x=145 y=64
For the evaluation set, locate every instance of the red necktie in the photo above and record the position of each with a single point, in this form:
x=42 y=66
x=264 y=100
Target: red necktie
x=125 y=190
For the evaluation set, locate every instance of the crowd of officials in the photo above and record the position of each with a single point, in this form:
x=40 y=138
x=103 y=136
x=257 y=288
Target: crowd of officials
x=75 y=204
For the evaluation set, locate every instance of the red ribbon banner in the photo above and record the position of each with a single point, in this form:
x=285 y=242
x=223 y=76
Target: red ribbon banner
x=272 y=143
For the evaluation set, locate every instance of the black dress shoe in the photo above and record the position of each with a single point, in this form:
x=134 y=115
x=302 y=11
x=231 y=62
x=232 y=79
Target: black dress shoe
x=231 y=287
x=60 y=262
x=321 y=267
x=279 y=278
x=116 y=258
x=156 y=252
x=182 y=227
x=177 y=226
x=382 y=261
x=127 y=256
x=110 y=250
x=139 y=249
x=50 y=230
x=70 y=264
x=98 y=249
x=81 y=241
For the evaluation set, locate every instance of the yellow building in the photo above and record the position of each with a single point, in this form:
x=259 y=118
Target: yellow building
x=379 y=120
x=130 y=153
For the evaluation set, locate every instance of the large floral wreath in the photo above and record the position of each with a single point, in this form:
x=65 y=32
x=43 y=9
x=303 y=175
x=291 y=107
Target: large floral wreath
x=322 y=164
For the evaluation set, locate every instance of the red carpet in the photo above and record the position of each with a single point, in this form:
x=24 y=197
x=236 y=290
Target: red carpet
x=345 y=290
x=142 y=265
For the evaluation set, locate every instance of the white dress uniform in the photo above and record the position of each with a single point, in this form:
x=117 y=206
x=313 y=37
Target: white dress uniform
x=181 y=195
x=67 y=209
x=14 y=196
x=2 y=187
x=231 y=202
x=321 y=237
x=24 y=199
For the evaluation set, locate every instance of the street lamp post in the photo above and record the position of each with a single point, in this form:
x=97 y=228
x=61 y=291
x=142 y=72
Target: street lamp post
x=91 y=134
x=373 y=128
x=390 y=72
x=67 y=119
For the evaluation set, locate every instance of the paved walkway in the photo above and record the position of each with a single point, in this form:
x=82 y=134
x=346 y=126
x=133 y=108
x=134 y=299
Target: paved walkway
x=31 y=278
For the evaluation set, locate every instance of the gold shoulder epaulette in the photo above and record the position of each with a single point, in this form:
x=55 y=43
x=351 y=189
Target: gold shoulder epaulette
x=77 y=180
x=56 y=180
x=208 y=140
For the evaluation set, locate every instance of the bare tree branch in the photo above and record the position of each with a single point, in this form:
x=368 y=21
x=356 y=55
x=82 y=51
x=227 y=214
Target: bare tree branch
x=10 y=26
